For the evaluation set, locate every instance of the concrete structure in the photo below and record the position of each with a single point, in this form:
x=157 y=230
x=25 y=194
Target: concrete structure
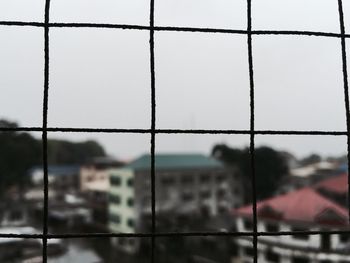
x=306 y=209
x=60 y=177
x=308 y=175
x=96 y=172
x=185 y=184
x=95 y=185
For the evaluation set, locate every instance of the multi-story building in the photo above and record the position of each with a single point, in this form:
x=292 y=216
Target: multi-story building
x=185 y=184
x=306 y=209
x=95 y=185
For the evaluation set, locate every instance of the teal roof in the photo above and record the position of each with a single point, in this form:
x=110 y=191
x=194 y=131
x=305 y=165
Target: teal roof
x=175 y=161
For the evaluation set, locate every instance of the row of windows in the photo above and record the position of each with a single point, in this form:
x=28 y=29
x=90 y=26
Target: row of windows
x=271 y=256
x=189 y=179
x=271 y=227
x=116 y=181
x=204 y=195
x=116 y=219
x=115 y=199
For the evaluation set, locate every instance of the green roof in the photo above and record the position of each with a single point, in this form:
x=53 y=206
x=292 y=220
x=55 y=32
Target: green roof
x=175 y=161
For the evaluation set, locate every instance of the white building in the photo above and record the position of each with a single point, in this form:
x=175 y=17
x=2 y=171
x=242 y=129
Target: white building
x=185 y=184
x=302 y=210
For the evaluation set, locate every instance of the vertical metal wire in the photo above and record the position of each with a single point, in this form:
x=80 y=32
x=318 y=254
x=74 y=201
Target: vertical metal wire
x=153 y=127
x=346 y=88
x=44 y=131
x=252 y=127
x=153 y=131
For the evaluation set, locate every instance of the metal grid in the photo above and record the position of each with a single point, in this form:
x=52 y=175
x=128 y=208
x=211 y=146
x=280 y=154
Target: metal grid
x=46 y=25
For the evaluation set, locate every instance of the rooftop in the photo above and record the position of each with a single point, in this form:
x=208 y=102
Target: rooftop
x=337 y=184
x=301 y=206
x=175 y=161
x=57 y=170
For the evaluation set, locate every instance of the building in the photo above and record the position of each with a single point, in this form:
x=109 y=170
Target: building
x=60 y=177
x=95 y=185
x=96 y=171
x=335 y=188
x=185 y=185
x=306 y=209
x=310 y=174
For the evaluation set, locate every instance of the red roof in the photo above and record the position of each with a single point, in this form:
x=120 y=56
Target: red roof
x=304 y=205
x=337 y=184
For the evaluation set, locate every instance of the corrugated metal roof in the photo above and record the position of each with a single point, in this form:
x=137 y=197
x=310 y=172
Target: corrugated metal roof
x=304 y=205
x=337 y=184
x=175 y=161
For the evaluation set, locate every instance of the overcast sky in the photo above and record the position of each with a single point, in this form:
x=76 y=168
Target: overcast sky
x=100 y=77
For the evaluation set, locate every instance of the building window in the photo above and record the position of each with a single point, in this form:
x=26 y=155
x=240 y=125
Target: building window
x=130 y=223
x=146 y=201
x=236 y=191
x=248 y=223
x=168 y=181
x=115 y=180
x=16 y=215
x=272 y=256
x=300 y=237
x=114 y=198
x=300 y=260
x=187 y=179
x=221 y=178
x=205 y=194
x=204 y=178
x=114 y=218
x=187 y=197
x=130 y=182
x=131 y=242
x=122 y=241
x=248 y=251
x=130 y=202
x=344 y=237
x=221 y=193
x=222 y=209
x=271 y=227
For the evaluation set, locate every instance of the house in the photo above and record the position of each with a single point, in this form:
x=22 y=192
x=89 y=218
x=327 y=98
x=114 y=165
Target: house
x=60 y=177
x=305 y=209
x=308 y=175
x=185 y=185
x=335 y=188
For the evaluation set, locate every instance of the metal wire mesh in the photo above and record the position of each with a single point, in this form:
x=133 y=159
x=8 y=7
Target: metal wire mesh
x=46 y=25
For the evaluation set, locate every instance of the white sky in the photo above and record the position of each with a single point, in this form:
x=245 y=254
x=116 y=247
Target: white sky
x=101 y=77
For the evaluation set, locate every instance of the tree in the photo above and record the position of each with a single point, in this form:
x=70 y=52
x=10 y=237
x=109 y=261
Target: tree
x=311 y=159
x=270 y=167
x=66 y=152
x=19 y=151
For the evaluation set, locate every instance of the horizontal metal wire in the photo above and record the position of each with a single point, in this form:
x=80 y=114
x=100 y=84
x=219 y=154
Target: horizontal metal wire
x=152 y=131
x=174 y=131
x=174 y=234
x=178 y=29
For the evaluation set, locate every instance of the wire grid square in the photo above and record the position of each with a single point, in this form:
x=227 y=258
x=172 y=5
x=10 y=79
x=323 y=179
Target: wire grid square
x=46 y=25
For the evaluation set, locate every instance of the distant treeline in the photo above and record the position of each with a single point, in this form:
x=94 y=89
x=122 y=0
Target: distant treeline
x=20 y=151
x=271 y=167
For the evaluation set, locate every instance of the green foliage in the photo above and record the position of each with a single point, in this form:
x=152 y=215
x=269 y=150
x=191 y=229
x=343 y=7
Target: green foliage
x=270 y=167
x=65 y=152
x=311 y=159
x=20 y=151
